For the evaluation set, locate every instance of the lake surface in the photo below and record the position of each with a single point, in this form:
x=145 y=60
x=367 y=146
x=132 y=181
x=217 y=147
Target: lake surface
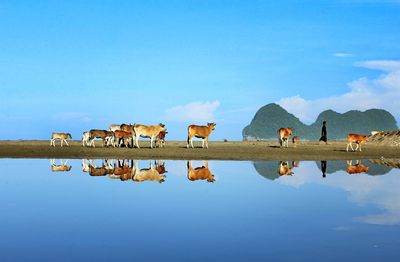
x=252 y=211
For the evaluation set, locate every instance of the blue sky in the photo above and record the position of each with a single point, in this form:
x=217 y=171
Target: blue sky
x=76 y=65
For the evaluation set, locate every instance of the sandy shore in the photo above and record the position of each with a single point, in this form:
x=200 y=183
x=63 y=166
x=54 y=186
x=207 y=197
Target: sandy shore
x=178 y=150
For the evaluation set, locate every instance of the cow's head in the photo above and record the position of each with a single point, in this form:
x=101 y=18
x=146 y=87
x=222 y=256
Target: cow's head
x=69 y=135
x=212 y=125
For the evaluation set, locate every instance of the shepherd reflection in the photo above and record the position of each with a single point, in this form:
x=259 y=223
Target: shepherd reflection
x=199 y=173
x=357 y=168
x=323 y=168
x=63 y=167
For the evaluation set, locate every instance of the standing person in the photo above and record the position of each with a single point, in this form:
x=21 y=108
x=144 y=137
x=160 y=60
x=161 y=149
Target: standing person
x=324 y=135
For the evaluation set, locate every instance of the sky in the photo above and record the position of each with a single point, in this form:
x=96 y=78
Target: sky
x=70 y=66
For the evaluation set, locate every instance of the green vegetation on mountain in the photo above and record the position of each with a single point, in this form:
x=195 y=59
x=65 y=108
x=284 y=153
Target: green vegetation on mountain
x=271 y=117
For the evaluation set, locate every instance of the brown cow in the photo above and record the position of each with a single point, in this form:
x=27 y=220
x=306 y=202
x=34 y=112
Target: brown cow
x=202 y=132
x=355 y=138
x=199 y=173
x=102 y=134
x=160 y=139
x=61 y=136
x=130 y=129
x=122 y=137
x=284 y=134
x=63 y=167
x=284 y=169
x=150 y=174
x=295 y=140
x=357 y=168
x=148 y=132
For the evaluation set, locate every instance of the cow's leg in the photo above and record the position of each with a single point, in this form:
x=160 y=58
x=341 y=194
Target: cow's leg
x=137 y=142
x=360 y=147
x=347 y=147
x=151 y=142
x=188 y=141
x=66 y=142
x=357 y=146
x=351 y=146
x=202 y=143
x=61 y=142
x=207 y=142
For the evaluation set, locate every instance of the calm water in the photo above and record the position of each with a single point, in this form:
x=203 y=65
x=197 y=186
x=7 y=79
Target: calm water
x=249 y=213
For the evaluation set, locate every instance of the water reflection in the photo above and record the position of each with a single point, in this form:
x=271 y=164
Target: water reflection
x=356 y=168
x=323 y=167
x=154 y=173
x=199 y=173
x=62 y=167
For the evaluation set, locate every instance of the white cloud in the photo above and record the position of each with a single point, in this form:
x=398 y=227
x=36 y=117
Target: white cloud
x=381 y=92
x=193 y=112
x=342 y=54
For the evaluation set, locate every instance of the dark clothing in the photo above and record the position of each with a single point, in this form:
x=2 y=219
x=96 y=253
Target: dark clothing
x=323 y=168
x=324 y=136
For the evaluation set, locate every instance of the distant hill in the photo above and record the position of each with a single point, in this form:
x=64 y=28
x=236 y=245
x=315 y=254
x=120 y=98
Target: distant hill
x=271 y=117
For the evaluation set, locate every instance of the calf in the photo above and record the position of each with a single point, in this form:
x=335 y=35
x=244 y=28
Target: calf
x=102 y=134
x=85 y=138
x=160 y=139
x=355 y=138
x=61 y=136
x=202 y=132
x=295 y=140
x=284 y=134
x=122 y=137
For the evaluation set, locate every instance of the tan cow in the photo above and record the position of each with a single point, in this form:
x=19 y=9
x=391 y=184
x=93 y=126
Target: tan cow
x=102 y=134
x=357 y=168
x=202 y=132
x=147 y=132
x=61 y=136
x=199 y=173
x=150 y=174
x=284 y=134
x=355 y=138
x=63 y=167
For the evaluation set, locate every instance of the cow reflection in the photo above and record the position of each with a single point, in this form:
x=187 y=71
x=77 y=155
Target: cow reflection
x=155 y=173
x=95 y=170
x=357 y=168
x=199 y=173
x=63 y=167
x=284 y=169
